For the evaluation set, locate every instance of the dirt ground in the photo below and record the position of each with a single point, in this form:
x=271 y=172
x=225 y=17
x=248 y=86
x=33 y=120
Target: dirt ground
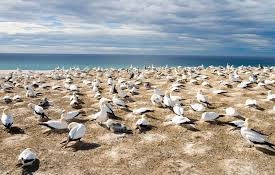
x=213 y=149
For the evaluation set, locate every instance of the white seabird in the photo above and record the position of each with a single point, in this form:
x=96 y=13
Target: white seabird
x=237 y=123
x=116 y=127
x=142 y=110
x=7 y=119
x=219 y=91
x=55 y=124
x=197 y=107
x=118 y=102
x=254 y=137
x=270 y=96
x=7 y=99
x=209 y=116
x=178 y=109
x=26 y=158
x=70 y=115
x=178 y=120
x=77 y=131
x=202 y=98
x=251 y=102
x=231 y=112
x=100 y=116
x=167 y=100
x=17 y=98
x=157 y=100
x=38 y=111
x=142 y=123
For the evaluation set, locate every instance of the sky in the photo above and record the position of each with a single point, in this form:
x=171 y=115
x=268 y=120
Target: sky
x=181 y=27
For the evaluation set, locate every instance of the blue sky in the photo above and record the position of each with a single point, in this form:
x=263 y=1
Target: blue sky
x=197 y=27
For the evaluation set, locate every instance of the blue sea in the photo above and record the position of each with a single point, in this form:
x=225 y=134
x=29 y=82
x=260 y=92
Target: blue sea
x=51 y=61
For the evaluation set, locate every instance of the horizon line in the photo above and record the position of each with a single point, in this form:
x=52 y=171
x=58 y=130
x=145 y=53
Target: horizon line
x=191 y=55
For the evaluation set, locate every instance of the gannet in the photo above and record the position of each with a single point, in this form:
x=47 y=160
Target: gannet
x=134 y=91
x=251 y=102
x=178 y=120
x=142 y=123
x=55 y=124
x=202 y=98
x=7 y=119
x=197 y=107
x=142 y=110
x=77 y=131
x=116 y=127
x=110 y=81
x=30 y=92
x=254 y=137
x=38 y=111
x=158 y=92
x=209 y=116
x=237 y=123
x=157 y=100
x=17 y=98
x=219 y=91
x=7 y=99
x=231 y=112
x=73 y=88
x=26 y=158
x=44 y=103
x=118 y=102
x=205 y=83
x=104 y=103
x=167 y=100
x=178 y=109
x=270 y=96
x=100 y=116
x=70 y=115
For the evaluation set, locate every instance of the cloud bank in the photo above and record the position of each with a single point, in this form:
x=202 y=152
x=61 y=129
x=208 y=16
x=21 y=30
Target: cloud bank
x=199 y=27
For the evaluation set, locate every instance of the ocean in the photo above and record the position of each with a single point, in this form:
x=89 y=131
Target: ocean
x=10 y=61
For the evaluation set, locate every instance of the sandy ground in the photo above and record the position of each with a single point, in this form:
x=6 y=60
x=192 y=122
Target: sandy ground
x=214 y=149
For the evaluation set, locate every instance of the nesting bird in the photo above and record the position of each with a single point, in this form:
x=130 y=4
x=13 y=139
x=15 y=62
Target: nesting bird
x=77 y=131
x=7 y=119
x=26 y=158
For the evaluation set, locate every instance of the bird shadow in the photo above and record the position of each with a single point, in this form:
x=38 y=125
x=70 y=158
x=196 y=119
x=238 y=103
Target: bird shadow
x=239 y=117
x=225 y=95
x=16 y=130
x=126 y=109
x=266 y=151
x=84 y=146
x=145 y=129
x=29 y=170
x=150 y=116
x=258 y=108
x=190 y=128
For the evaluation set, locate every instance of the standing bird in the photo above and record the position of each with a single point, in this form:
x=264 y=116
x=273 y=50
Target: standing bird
x=102 y=115
x=7 y=119
x=142 y=124
x=26 y=158
x=38 y=111
x=77 y=131
x=168 y=101
x=254 y=137
x=178 y=109
x=118 y=102
x=202 y=98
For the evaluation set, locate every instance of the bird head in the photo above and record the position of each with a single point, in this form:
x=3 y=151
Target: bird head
x=72 y=125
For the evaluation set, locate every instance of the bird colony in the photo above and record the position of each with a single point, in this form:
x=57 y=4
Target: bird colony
x=156 y=120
